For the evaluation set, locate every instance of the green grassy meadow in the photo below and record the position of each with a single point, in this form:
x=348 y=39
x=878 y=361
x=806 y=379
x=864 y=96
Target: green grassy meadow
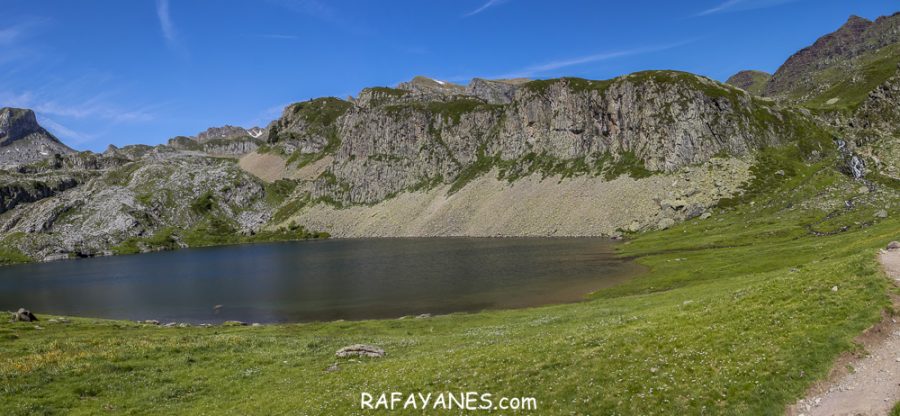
x=739 y=314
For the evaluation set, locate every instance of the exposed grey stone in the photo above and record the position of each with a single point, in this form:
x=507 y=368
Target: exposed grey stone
x=360 y=350
x=24 y=315
x=665 y=223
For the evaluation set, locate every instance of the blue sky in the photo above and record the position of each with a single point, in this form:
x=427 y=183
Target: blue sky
x=141 y=71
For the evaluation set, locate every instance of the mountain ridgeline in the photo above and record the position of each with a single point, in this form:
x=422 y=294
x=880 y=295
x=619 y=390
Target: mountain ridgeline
x=392 y=140
x=838 y=70
x=557 y=157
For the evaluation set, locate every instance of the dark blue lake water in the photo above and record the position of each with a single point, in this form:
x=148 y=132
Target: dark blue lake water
x=319 y=280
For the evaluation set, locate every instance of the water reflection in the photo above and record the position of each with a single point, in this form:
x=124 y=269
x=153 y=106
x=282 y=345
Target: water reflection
x=320 y=280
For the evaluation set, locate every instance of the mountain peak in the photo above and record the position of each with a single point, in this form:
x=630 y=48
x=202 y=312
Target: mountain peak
x=16 y=123
x=750 y=80
x=855 y=24
x=24 y=140
x=856 y=37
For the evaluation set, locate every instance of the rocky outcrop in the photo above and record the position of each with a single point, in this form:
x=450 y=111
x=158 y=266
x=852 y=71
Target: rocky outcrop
x=18 y=190
x=165 y=189
x=223 y=133
x=875 y=128
x=221 y=141
x=751 y=81
x=23 y=140
x=881 y=109
x=231 y=146
x=495 y=91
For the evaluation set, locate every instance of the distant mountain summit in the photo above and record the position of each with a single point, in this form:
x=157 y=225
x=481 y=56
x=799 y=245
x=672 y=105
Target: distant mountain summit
x=499 y=91
x=23 y=140
x=225 y=140
x=837 y=71
x=229 y=132
x=804 y=72
x=750 y=81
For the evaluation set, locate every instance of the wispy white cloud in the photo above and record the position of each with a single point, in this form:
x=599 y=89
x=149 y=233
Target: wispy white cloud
x=278 y=36
x=167 y=25
x=535 y=70
x=10 y=35
x=742 y=5
x=326 y=12
x=165 y=20
x=485 y=6
x=97 y=107
x=312 y=8
x=70 y=136
x=15 y=34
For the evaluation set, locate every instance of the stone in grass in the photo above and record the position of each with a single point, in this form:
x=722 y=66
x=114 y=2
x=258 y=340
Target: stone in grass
x=893 y=246
x=881 y=214
x=24 y=315
x=665 y=223
x=360 y=350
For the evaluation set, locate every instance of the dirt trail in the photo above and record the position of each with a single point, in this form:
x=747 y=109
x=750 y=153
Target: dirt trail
x=873 y=387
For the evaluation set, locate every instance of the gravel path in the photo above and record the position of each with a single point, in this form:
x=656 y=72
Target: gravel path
x=873 y=387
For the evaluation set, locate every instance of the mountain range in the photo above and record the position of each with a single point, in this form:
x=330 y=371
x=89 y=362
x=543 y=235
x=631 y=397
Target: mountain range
x=514 y=157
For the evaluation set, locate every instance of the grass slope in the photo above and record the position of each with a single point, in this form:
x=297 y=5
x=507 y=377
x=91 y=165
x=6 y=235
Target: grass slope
x=737 y=316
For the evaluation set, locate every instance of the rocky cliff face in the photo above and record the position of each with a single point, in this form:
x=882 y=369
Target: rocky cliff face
x=391 y=140
x=23 y=140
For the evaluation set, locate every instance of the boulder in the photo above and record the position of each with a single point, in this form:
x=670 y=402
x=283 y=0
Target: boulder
x=24 y=315
x=893 y=246
x=881 y=214
x=360 y=350
x=665 y=223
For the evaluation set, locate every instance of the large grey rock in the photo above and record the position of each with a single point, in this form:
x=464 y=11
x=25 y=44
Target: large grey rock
x=360 y=350
x=665 y=223
x=24 y=315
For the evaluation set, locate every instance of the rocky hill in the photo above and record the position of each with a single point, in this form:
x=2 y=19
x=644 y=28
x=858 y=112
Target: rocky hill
x=23 y=140
x=838 y=70
x=753 y=82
